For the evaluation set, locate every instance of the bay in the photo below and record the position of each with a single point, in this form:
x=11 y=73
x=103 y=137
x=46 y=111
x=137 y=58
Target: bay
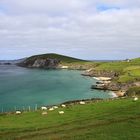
x=22 y=87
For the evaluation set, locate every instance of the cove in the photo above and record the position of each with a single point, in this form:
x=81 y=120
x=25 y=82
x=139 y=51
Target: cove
x=22 y=87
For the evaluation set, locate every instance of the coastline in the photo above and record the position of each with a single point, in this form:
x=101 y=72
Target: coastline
x=100 y=79
x=104 y=83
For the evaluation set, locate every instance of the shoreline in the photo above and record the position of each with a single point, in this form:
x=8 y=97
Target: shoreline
x=105 y=82
x=67 y=103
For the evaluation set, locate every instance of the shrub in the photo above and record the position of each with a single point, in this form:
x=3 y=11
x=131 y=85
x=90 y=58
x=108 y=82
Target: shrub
x=133 y=91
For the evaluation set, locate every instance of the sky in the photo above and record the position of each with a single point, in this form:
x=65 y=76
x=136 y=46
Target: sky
x=87 y=29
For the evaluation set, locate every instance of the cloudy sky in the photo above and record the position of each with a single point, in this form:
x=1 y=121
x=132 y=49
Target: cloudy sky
x=88 y=29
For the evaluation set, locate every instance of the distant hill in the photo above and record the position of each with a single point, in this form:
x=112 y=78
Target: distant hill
x=48 y=61
x=62 y=58
x=11 y=62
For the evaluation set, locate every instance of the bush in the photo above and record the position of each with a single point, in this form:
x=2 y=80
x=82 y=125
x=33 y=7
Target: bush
x=133 y=91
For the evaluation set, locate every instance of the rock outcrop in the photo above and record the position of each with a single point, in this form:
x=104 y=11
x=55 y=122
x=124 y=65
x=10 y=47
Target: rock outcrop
x=40 y=63
x=114 y=86
x=99 y=73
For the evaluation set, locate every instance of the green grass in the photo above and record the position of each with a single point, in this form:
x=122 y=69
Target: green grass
x=119 y=66
x=128 y=71
x=130 y=74
x=104 y=120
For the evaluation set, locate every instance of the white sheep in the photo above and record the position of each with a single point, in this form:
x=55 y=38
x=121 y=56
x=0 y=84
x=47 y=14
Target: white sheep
x=82 y=103
x=55 y=107
x=51 y=109
x=61 y=112
x=44 y=113
x=43 y=108
x=136 y=98
x=63 y=105
x=18 y=112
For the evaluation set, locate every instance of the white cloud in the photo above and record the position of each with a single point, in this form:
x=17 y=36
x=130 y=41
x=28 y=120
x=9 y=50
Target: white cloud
x=70 y=27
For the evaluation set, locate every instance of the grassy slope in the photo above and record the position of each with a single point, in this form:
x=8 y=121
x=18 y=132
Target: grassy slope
x=104 y=120
x=129 y=71
x=120 y=66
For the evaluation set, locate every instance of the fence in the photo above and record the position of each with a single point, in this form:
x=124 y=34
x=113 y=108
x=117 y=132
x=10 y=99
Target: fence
x=20 y=108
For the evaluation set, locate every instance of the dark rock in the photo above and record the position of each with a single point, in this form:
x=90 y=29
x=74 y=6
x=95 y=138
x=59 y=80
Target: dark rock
x=41 y=63
x=99 y=87
x=98 y=73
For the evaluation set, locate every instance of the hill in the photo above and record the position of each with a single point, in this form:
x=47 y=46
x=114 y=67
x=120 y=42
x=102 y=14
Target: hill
x=49 y=61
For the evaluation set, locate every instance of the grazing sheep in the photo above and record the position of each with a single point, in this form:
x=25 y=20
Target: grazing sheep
x=63 y=105
x=51 y=109
x=55 y=107
x=82 y=103
x=44 y=113
x=43 y=108
x=18 y=112
x=136 y=98
x=61 y=112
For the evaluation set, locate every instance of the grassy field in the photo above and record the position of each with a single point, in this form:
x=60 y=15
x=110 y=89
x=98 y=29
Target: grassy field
x=104 y=120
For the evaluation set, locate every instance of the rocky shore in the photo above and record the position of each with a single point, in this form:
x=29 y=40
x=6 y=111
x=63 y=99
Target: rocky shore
x=105 y=81
x=100 y=73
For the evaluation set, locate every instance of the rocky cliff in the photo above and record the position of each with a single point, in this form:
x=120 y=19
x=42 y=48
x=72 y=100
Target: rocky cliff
x=50 y=61
x=99 y=73
x=40 y=63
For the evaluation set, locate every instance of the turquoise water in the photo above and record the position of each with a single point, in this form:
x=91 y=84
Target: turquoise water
x=21 y=87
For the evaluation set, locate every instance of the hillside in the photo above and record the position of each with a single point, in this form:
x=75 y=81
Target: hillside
x=127 y=71
x=103 y=120
x=49 y=61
